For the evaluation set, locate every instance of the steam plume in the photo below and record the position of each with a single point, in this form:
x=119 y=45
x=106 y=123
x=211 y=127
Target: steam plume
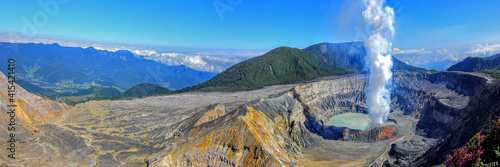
x=378 y=59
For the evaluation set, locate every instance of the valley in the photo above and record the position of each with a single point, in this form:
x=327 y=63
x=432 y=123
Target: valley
x=60 y=69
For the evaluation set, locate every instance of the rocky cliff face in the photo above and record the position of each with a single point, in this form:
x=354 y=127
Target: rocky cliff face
x=275 y=126
x=31 y=112
x=450 y=106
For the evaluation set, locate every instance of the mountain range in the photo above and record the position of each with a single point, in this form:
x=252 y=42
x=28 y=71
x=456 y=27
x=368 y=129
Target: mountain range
x=489 y=65
x=286 y=65
x=70 y=69
x=476 y=64
x=60 y=72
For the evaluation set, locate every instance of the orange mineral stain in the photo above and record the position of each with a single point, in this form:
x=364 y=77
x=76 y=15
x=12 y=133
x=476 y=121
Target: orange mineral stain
x=386 y=133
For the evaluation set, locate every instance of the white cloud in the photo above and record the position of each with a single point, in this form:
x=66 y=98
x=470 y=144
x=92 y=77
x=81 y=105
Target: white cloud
x=483 y=50
x=144 y=52
x=107 y=49
x=453 y=58
x=444 y=50
x=429 y=59
x=421 y=51
x=202 y=61
x=443 y=58
x=195 y=62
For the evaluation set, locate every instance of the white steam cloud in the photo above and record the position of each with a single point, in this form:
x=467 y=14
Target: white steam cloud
x=378 y=59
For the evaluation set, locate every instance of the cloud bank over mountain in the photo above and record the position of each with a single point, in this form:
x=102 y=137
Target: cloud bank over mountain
x=208 y=61
x=443 y=58
x=202 y=61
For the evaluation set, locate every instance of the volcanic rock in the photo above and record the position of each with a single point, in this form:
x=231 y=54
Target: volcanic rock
x=283 y=125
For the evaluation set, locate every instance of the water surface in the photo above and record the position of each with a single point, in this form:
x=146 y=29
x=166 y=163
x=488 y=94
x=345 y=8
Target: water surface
x=350 y=120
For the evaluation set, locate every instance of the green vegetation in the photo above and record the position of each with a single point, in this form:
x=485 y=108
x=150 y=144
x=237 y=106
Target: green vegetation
x=99 y=92
x=71 y=98
x=88 y=94
x=146 y=89
x=96 y=93
x=494 y=73
x=282 y=65
x=37 y=90
x=481 y=150
x=475 y=64
x=489 y=65
x=71 y=103
x=58 y=72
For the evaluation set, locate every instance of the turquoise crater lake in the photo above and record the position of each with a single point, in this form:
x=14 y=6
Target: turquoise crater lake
x=351 y=120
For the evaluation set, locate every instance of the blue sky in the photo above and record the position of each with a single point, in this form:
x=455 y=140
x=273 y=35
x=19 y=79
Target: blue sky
x=430 y=34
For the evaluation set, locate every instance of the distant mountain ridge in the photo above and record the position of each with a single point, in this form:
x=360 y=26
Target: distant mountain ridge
x=278 y=66
x=350 y=56
x=488 y=65
x=476 y=64
x=285 y=65
x=64 y=69
x=492 y=57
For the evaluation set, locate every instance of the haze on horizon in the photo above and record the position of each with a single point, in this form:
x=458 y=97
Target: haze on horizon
x=204 y=35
